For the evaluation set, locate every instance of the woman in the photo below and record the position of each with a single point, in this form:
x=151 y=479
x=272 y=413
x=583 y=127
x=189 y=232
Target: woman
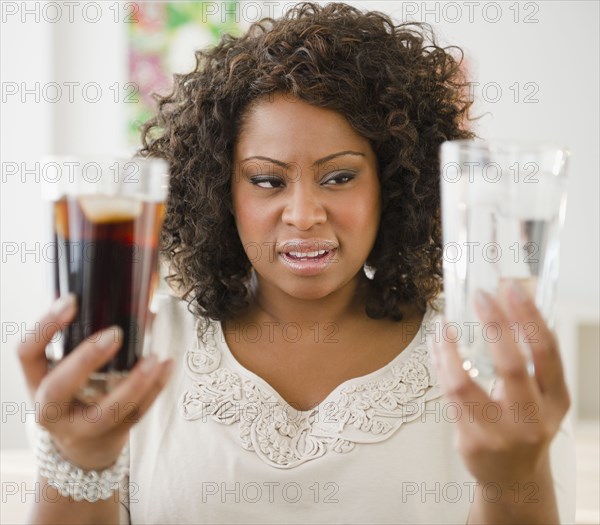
x=303 y=238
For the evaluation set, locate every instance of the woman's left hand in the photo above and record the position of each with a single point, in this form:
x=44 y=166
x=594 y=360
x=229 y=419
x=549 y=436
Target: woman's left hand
x=505 y=438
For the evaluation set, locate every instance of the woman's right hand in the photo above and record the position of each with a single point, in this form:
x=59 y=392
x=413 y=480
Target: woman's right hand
x=90 y=437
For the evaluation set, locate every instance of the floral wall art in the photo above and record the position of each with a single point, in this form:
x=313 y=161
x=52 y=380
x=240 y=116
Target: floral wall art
x=162 y=38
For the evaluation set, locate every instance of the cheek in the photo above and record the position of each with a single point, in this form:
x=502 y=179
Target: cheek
x=244 y=220
x=250 y=220
x=360 y=214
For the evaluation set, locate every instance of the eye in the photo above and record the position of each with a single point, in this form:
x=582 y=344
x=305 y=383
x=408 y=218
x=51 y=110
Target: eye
x=340 y=178
x=262 y=181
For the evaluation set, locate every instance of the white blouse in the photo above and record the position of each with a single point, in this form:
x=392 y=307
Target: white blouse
x=220 y=445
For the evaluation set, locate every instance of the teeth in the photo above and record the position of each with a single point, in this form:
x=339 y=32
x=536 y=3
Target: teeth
x=300 y=255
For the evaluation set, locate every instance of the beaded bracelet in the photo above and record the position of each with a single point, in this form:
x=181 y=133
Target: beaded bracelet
x=71 y=480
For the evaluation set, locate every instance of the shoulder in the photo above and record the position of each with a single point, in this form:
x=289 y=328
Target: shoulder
x=174 y=327
x=437 y=304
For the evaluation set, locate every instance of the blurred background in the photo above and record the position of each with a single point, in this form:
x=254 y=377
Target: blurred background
x=77 y=78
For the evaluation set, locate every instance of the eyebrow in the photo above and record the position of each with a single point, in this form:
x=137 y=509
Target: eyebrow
x=316 y=163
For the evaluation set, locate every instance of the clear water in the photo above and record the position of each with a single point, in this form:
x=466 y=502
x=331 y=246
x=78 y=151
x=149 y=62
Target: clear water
x=498 y=247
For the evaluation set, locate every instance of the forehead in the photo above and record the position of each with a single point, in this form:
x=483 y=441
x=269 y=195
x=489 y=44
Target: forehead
x=291 y=129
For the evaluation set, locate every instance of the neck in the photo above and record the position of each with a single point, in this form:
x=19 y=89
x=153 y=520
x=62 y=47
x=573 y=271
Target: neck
x=274 y=305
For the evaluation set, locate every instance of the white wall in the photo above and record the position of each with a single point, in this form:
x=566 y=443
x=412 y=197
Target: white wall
x=25 y=135
x=558 y=54
x=84 y=53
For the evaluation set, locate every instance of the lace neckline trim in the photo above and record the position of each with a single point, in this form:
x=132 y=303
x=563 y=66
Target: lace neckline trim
x=233 y=362
x=365 y=409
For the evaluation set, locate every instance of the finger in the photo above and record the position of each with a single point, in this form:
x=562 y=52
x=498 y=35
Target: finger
x=509 y=361
x=72 y=373
x=162 y=375
x=130 y=400
x=545 y=351
x=32 y=351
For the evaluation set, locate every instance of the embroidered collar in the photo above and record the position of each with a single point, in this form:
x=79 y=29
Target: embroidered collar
x=365 y=409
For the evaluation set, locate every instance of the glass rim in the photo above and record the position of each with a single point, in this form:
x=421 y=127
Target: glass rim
x=113 y=174
x=507 y=145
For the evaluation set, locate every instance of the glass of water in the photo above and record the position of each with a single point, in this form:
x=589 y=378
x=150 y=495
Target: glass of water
x=503 y=207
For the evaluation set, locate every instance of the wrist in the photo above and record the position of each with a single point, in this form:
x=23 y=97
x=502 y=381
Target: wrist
x=526 y=499
x=72 y=481
x=95 y=460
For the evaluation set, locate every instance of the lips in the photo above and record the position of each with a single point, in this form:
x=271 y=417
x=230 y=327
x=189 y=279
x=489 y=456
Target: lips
x=305 y=256
x=313 y=248
x=308 y=257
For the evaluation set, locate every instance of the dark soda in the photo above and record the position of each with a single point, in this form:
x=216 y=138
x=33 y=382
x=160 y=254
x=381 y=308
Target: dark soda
x=107 y=254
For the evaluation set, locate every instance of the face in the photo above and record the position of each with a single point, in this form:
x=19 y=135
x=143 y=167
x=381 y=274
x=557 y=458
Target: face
x=306 y=197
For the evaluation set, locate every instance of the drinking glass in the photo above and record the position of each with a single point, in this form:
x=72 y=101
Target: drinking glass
x=106 y=216
x=503 y=208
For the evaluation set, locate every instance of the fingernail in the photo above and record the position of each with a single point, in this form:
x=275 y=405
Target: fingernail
x=484 y=300
x=148 y=364
x=517 y=292
x=62 y=305
x=109 y=336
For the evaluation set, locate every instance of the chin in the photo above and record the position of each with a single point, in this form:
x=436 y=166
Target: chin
x=308 y=291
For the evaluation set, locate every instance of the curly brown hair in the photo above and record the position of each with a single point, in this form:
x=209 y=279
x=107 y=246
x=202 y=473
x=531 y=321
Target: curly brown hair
x=393 y=84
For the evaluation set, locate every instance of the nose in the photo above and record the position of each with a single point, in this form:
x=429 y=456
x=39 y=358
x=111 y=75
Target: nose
x=303 y=209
